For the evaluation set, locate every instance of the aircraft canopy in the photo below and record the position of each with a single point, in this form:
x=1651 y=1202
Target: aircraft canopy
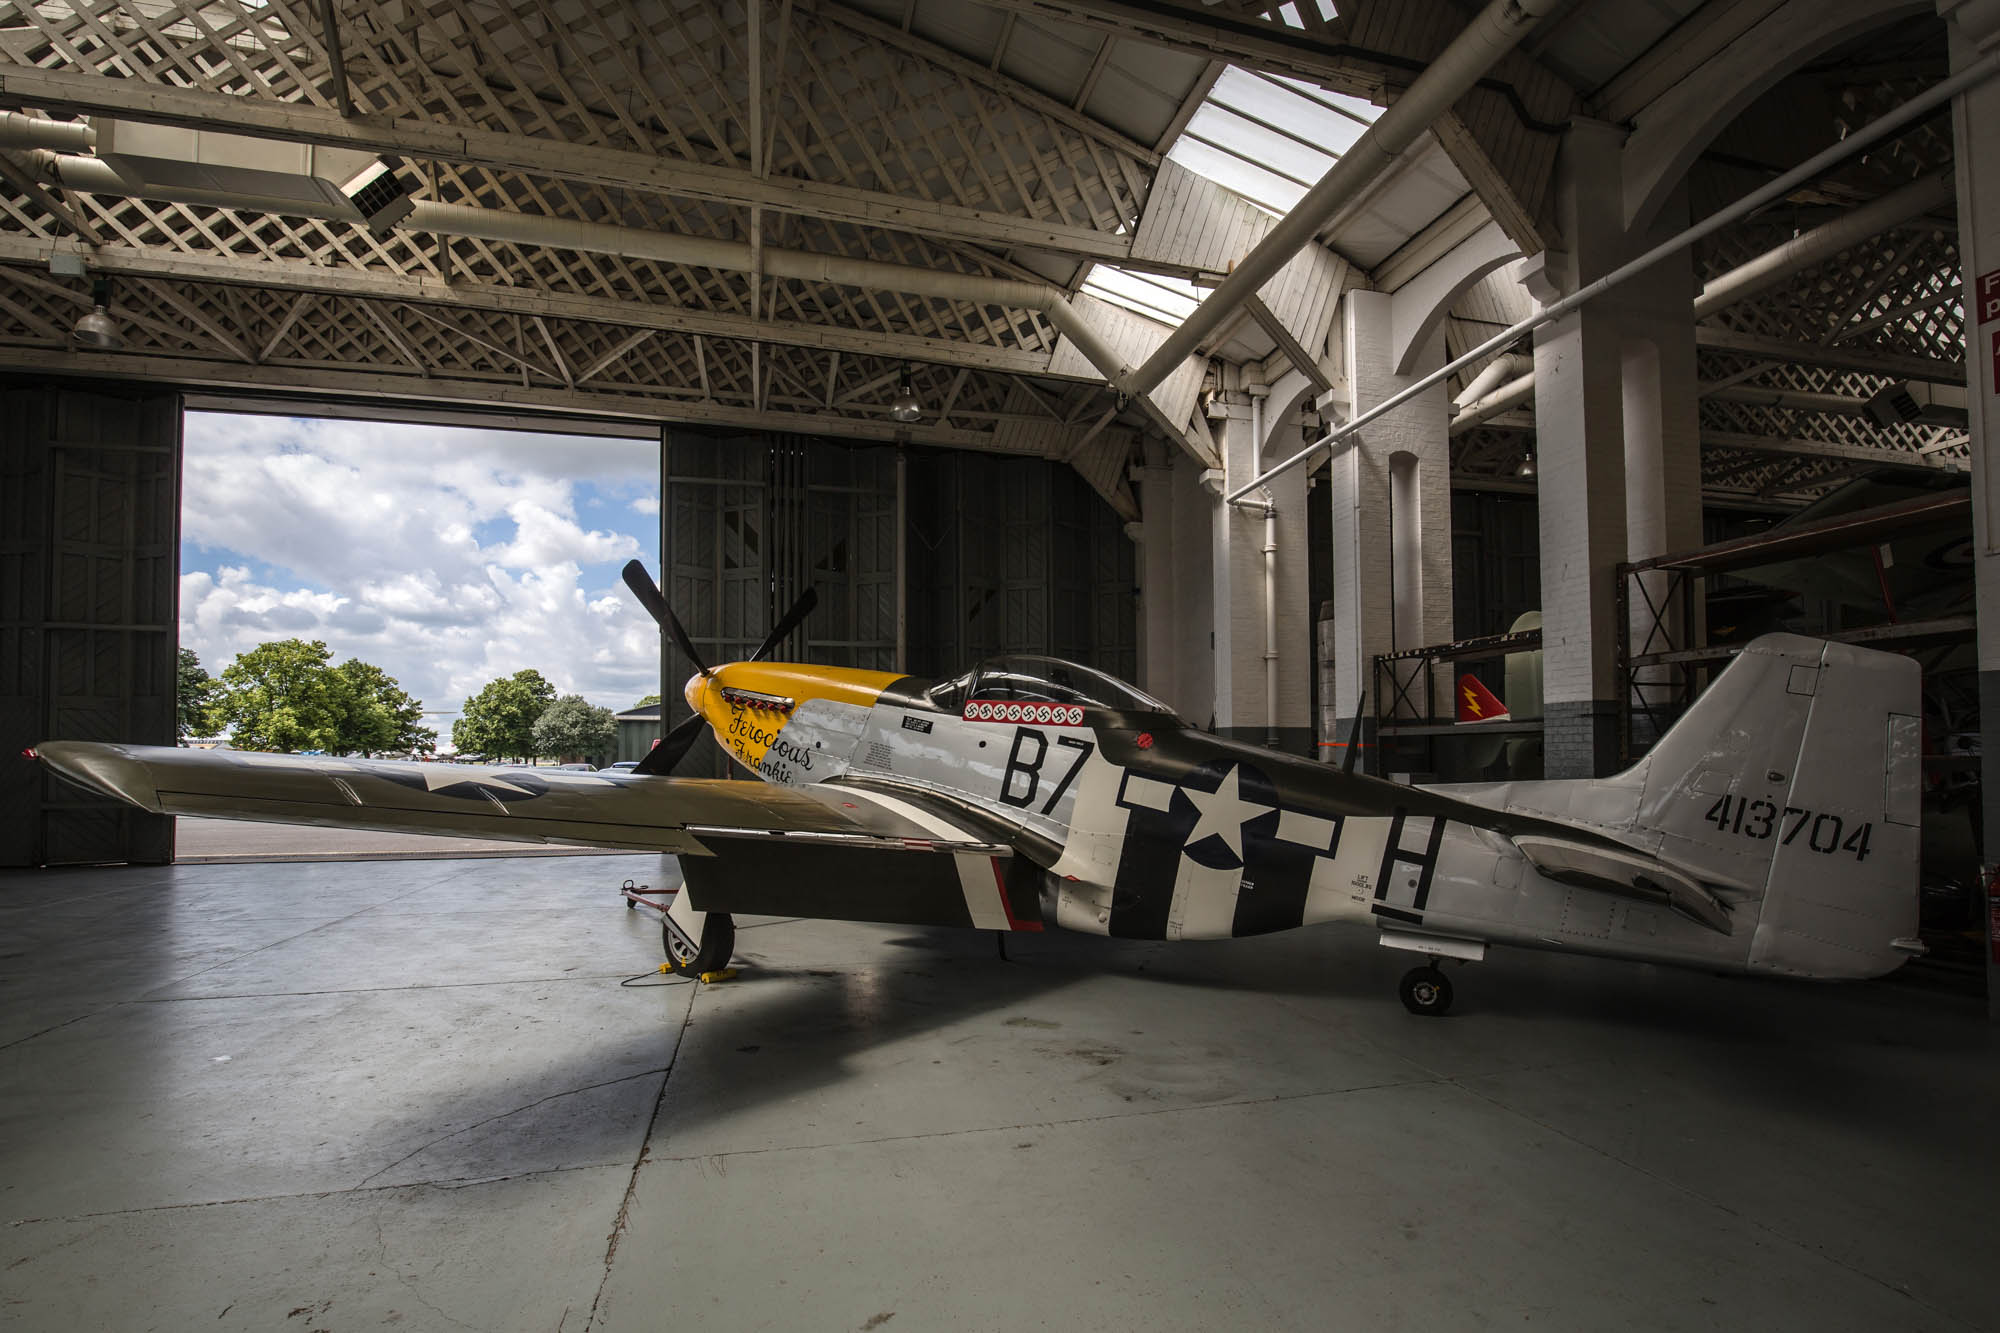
x=1036 y=679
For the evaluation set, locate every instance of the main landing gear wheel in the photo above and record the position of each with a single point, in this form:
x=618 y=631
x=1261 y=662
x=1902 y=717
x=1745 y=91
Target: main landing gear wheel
x=690 y=958
x=1426 y=991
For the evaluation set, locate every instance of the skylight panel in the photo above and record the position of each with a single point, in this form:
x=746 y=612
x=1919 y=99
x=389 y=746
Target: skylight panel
x=1269 y=139
x=1264 y=138
x=1168 y=300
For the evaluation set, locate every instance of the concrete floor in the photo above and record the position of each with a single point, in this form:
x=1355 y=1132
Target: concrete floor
x=413 y=1094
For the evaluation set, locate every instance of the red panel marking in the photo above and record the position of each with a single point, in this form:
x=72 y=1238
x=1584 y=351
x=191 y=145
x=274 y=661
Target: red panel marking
x=1145 y=741
x=1013 y=922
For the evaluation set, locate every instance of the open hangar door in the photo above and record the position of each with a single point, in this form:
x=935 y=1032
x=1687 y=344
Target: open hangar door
x=89 y=537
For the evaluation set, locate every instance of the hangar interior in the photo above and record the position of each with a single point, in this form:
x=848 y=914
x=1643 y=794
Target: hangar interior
x=1286 y=360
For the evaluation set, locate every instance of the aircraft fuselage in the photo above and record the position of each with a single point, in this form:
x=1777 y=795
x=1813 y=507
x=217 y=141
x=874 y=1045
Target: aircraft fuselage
x=1151 y=830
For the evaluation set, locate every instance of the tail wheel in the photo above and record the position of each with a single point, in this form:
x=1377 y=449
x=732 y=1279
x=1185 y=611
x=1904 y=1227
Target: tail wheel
x=688 y=957
x=1426 y=991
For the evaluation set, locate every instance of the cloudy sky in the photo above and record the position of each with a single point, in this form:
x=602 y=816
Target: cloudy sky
x=446 y=557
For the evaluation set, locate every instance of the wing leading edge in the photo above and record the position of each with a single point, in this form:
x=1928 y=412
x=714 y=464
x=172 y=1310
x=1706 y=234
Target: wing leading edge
x=674 y=815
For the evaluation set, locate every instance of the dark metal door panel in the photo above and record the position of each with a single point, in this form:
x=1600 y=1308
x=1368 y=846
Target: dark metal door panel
x=87 y=615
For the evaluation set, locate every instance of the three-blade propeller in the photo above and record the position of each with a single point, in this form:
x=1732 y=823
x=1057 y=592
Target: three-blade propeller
x=673 y=747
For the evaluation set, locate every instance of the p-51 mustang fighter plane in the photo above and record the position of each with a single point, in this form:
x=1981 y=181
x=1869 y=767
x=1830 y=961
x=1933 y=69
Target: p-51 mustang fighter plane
x=1772 y=830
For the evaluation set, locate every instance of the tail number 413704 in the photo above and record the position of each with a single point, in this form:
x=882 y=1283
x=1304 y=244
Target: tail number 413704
x=1822 y=832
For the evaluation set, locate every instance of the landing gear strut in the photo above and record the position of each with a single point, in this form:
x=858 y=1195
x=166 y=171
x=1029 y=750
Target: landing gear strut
x=1426 y=991
x=691 y=957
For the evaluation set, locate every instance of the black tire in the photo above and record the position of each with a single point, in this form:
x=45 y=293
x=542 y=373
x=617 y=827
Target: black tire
x=718 y=941
x=1425 y=991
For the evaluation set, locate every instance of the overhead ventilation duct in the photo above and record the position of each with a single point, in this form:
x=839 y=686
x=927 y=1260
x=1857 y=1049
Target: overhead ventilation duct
x=1824 y=242
x=272 y=175
x=62 y=136
x=372 y=193
x=1913 y=402
x=1478 y=411
x=380 y=194
x=1491 y=376
x=375 y=194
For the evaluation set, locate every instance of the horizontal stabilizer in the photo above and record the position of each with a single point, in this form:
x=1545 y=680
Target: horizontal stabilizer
x=1629 y=873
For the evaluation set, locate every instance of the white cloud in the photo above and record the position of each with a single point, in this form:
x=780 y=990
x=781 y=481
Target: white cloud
x=447 y=557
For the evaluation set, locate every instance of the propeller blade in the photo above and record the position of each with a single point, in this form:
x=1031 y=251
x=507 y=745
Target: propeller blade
x=649 y=595
x=790 y=621
x=663 y=758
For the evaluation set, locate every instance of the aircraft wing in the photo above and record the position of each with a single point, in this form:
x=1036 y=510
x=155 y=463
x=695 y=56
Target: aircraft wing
x=655 y=814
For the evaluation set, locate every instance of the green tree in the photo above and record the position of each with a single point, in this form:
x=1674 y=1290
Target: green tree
x=572 y=728
x=382 y=718
x=649 y=699
x=286 y=695
x=194 y=691
x=499 y=721
x=283 y=696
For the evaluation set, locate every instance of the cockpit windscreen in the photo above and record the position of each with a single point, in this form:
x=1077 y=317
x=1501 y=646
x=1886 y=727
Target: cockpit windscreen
x=1033 y=679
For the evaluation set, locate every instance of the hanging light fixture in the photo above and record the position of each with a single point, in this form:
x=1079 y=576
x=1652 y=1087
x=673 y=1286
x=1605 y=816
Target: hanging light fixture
x=97 y=329
x=1525 y=469
x=904 y=407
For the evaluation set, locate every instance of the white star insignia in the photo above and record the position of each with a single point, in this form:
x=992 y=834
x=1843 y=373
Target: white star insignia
x=446 y=775
x=1224 y=812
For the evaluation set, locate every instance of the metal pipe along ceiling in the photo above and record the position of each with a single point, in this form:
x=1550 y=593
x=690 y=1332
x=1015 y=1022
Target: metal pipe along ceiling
x=1823 y=243
x=1747 y=279
x=1503 y=399
x=1494 y=33
x=1502 y=368
x=493 y=224
x=1811 y=169
x=669 y=247
x=70 y=136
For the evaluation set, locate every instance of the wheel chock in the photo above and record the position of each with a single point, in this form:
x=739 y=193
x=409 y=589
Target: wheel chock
x=721 y=974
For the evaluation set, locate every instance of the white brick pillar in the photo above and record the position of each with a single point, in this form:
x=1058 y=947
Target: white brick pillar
x=1392 y=588
x=1974 y=30
x=1292 y=493
x=1237 y=537
x=1234 y=533
x=1580 y=463
x=1175 y=589
x=1161 y=645
x=1662 y=426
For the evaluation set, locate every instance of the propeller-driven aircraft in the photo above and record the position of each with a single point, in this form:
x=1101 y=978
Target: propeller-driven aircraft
x=1773 y=830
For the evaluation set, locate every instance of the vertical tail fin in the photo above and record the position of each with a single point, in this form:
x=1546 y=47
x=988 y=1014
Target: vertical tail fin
x=1793 y=787
x=1477 y=704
